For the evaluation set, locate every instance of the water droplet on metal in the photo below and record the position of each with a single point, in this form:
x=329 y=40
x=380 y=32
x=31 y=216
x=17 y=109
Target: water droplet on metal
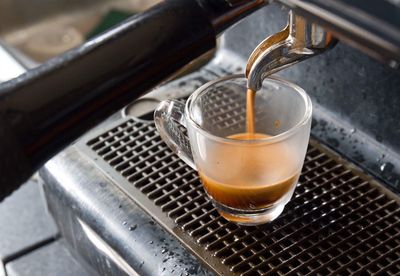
x=383 y=166
x=132 y=227
x=164 y=250
x=124 y=223
x=151 y=242
x=353 y=130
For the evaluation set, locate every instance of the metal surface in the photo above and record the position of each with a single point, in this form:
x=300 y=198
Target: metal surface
x=339 y=221
x=24 y=223
x=111 y=233
x=10 y=67
x=49 y=260
x=370 y=25
x=299 y=40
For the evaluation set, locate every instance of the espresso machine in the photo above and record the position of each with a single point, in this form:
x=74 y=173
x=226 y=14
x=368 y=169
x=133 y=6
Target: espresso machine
x=126 y=205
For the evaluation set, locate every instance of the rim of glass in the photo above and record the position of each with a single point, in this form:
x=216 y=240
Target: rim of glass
x=273 y=139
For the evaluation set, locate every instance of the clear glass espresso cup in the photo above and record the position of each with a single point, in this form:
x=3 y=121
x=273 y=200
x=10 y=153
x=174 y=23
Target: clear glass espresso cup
x=248 y=179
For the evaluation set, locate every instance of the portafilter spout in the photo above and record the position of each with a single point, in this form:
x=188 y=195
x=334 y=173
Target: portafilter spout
x=298 y=41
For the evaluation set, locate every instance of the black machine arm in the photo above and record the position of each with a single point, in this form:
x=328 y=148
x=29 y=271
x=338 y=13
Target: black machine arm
x=47 y=108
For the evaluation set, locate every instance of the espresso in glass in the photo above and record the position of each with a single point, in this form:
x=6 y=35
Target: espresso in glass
x=247 y=148
x=249 y=187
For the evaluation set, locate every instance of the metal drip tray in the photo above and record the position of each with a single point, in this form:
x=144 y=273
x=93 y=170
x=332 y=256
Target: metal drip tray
x=339 y=221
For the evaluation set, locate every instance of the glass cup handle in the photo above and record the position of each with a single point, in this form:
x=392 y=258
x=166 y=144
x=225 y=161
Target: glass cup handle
x=169 y=118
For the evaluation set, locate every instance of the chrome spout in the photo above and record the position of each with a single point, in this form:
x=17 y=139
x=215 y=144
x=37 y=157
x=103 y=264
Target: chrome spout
x=298 y=41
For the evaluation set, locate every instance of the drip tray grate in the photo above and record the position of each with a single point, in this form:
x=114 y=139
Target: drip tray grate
x=339 y=221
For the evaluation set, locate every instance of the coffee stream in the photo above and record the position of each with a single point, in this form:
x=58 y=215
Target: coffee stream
x=250 y=124
x=253 y=176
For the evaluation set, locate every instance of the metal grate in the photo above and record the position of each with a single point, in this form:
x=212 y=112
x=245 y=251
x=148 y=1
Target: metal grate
x=338 y=222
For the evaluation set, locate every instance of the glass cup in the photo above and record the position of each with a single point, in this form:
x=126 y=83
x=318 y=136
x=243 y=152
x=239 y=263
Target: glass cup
x=248 y=179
